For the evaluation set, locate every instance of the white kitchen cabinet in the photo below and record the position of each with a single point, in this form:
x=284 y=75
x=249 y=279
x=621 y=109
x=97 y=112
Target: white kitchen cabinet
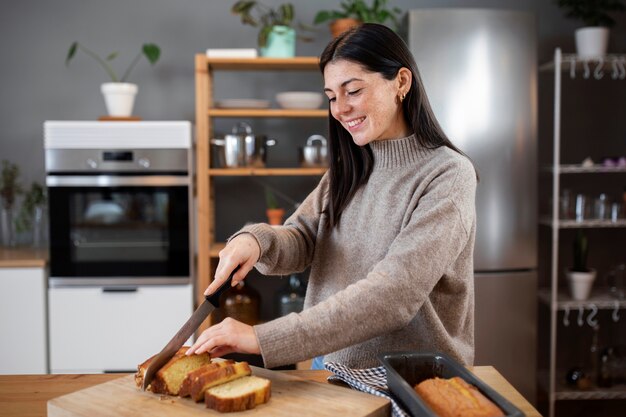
x=96 y=329
x=23 y=345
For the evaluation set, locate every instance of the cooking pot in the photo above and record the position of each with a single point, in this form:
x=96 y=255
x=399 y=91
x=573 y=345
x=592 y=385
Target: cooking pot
x=315 y=153
x=241 y=148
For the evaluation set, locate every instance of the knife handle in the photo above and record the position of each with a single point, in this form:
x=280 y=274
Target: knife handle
x=215 y=297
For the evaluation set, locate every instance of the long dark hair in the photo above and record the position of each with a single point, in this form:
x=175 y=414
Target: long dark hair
x=378 y=49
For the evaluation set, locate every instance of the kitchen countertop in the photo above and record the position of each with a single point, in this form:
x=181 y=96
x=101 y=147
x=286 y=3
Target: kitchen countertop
x=23 y=257
x=27 y=395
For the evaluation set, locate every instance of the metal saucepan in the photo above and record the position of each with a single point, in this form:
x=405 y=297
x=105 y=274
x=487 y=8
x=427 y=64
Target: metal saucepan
x=241 y=148
x=315 y=153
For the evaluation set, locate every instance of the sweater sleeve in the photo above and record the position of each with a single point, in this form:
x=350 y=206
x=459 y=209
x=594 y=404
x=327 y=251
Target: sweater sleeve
x=393 y=292
x=289 y=248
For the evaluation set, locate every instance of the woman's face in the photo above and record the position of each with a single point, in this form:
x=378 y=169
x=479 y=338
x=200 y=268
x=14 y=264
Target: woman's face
x=365 y=103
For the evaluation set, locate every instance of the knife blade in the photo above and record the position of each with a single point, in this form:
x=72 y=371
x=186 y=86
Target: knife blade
x=210 y=303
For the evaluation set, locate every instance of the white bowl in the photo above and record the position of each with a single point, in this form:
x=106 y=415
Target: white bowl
x=299 y=100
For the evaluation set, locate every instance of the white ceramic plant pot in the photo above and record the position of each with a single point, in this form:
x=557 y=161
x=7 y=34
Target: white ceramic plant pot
x=119 y=98
x=592 y=42
x=580 y=283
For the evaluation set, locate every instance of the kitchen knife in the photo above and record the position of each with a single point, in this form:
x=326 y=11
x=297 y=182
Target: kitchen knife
x=210 y=303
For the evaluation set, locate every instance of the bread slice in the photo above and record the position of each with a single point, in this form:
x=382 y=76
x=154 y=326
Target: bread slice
x=170 y=377
x=239 y=395
x=216 y=373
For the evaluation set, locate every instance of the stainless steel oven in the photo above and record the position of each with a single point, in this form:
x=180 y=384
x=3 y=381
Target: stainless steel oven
x=119 y=216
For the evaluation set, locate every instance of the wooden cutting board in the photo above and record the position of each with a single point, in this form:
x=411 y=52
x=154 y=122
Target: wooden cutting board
x=291 y=396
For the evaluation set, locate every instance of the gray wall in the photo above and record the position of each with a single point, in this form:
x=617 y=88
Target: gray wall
x=36 y=85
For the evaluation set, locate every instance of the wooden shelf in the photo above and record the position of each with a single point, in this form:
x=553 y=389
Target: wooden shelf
x=216 y=247
x=266 y=172
x=206 y=115
x=317 y=113
x=306 y=63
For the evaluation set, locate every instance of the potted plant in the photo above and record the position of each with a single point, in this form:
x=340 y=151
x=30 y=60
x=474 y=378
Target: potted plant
x=31 y=214
x=593 y=38
x=274 y=213
x=10 y=188
x=580 y=277
x=277 y=37
x=119 y=95
x=354 y=12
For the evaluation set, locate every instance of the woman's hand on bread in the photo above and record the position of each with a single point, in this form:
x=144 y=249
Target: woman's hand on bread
x=242 y=251
x=226 y=337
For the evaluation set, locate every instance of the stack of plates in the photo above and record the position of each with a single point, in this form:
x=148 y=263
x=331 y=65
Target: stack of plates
x=243 y=103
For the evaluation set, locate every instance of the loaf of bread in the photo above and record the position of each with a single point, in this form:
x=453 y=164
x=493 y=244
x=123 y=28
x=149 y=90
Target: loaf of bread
x=216 y=373
x=169 y=378
x=239 y=395
x=456 y=398
x=224 y=385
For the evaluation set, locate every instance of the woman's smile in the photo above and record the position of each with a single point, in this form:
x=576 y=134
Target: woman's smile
x=354 y=123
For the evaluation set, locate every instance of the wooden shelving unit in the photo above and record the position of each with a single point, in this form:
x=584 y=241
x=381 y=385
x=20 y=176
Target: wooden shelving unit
x=206 y=113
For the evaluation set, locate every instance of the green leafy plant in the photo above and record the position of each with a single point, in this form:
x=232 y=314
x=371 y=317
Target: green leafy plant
x=257 y=14
x=592 y=12
x=270 y=199
x=151 y=51
x=378 y=12
x=581 y=250
x=10 y=187
x=33 y=198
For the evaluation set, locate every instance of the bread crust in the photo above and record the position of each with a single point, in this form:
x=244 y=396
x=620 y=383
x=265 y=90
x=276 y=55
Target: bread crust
x=456 y=398
x=245 y=401
x=198 y=381
x=165 y=380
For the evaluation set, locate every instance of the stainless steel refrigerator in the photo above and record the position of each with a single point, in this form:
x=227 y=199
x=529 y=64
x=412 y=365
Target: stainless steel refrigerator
x=479 y=67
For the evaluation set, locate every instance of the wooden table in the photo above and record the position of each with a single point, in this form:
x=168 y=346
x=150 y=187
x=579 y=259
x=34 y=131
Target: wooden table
x=27 y=395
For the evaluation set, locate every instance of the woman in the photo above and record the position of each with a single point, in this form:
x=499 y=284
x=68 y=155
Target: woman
x=388 y=232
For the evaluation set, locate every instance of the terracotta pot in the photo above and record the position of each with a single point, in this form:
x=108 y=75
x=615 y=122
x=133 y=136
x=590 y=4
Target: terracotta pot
x=337 y=27
x=275 y=216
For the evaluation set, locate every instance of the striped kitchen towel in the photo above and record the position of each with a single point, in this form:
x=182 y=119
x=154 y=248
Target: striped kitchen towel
x=370 y=380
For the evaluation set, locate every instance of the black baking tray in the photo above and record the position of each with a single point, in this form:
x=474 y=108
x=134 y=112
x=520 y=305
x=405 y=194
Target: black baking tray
x=407 y=369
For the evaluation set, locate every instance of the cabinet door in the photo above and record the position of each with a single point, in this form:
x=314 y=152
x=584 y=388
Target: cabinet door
x=22 y=321
x=104 y=330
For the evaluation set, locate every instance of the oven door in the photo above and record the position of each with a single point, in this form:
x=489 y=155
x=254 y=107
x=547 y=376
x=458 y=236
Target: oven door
x=119 y=230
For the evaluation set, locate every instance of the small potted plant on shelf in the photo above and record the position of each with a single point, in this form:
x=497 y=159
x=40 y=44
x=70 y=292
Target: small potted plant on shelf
x=355 y=12
x=580 y=277
x=119 y=95
x=30 y=218
x=10 y=188
x=274 y=213
x=592 y=39
x=277 y=37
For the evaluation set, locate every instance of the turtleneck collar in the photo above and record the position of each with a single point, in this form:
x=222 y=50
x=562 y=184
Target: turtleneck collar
x=394 y=153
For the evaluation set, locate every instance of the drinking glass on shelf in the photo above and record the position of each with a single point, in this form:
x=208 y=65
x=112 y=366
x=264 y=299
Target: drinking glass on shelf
x=565 y=205
x=601 y=208
x=616 y=211
x=616 y=279
x=581 y=209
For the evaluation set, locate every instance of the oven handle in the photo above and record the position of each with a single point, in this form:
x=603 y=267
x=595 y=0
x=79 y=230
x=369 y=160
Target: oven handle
x=113 y=181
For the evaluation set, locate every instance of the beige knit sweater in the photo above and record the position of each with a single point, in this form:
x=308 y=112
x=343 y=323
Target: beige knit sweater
x=397 y=274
